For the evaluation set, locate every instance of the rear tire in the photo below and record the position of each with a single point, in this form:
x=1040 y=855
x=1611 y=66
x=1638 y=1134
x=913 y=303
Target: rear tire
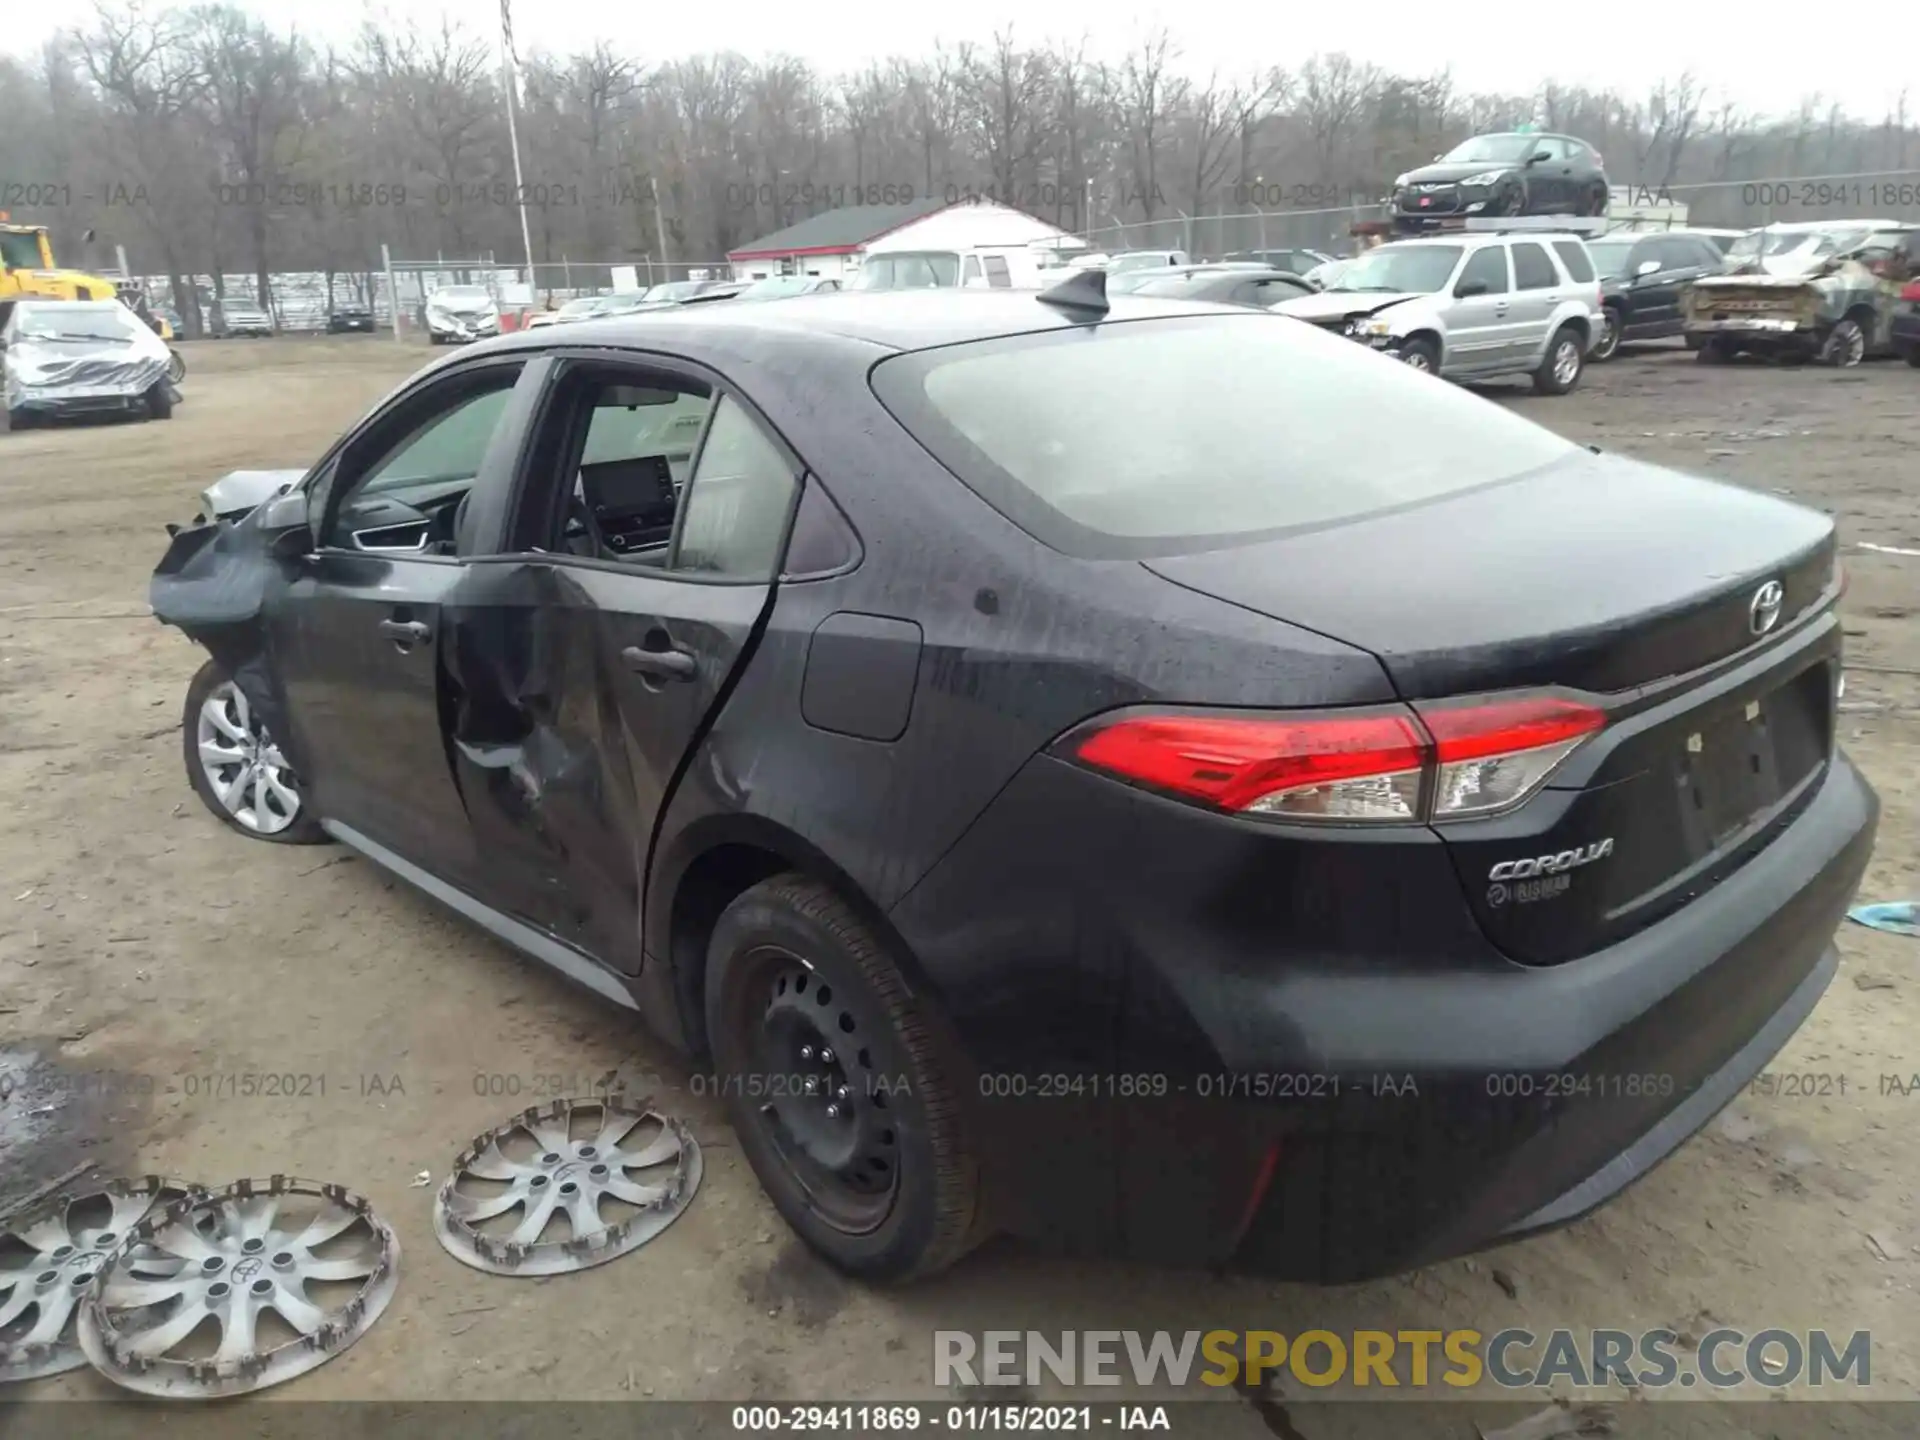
x=1608 y=345
x=1560 y=369
x=215 y=721
x=799 y=988
x=1597 y=199
x=1712 y=351
x=1913 y=357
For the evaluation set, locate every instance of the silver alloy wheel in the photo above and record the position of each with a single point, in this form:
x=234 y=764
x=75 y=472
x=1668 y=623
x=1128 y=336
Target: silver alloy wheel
x=1609 y=335
x=243 y=766
x=1566 y=362
x=1417 y=359
x=1847 y=345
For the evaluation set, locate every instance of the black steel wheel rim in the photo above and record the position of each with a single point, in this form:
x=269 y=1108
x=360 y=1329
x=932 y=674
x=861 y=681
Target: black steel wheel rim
x=812 y=1087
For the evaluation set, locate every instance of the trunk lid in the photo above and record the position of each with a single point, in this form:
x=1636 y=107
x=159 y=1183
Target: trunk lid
x=1642 y=590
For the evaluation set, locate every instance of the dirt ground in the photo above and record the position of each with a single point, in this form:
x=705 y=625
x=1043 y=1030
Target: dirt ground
x=140 y=939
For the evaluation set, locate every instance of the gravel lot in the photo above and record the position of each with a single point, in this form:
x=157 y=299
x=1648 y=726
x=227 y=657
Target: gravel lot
x=141 y=940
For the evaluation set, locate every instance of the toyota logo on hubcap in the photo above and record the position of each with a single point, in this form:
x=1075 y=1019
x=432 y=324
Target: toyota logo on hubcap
x=1764 y=613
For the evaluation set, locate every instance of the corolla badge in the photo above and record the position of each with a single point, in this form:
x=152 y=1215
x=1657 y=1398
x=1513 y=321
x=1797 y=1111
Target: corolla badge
x=1552 y=864
x=1764 y=611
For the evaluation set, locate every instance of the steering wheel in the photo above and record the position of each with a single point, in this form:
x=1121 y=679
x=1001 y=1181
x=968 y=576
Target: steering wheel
x=582 y=526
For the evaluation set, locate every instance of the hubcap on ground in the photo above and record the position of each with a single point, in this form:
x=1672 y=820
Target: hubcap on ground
x=819 y=1098
x=1566 y=362
x=243 y=765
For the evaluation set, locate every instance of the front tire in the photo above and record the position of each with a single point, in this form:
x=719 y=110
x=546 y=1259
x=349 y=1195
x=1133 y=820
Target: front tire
x=1846 y=345
x=159 y=402
x=1608 y=345
x=1420 y=354
x=836 y=1085
x=176 y=366
x=1560 y=370
x=235 y=767
x=1913 y=357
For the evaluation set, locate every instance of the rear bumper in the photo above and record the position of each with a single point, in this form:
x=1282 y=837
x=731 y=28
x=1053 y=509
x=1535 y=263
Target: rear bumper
x=1330 y=1110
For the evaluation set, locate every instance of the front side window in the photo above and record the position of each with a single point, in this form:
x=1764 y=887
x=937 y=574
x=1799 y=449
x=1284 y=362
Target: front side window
x=418 y=470
x=1487 y=267
x=1237 y=428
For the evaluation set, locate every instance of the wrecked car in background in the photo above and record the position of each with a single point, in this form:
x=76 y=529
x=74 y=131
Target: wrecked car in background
x=457 y=314
x=1825 y=290
x=62 y=358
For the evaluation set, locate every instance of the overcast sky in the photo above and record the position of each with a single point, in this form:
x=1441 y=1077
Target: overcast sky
x=1762 y=59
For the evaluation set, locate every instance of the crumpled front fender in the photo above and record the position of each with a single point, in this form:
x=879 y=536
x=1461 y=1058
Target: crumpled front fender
x=212 y=585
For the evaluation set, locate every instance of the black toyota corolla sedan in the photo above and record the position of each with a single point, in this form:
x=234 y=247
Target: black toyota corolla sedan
x=1153 y=779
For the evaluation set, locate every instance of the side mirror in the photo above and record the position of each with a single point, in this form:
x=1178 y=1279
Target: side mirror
x=284 y=521
x=1468 y=288
x=1645 y=268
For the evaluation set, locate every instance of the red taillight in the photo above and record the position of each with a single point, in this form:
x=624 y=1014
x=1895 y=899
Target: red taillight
x=1473 y=758
x=1910 y=290
x=1248 y=763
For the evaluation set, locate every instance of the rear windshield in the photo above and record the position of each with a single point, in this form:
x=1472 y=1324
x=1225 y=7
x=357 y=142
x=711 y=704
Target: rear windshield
x=1158 y=437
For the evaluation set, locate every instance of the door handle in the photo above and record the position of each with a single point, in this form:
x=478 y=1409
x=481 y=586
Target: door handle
x=405 y=632
x=661 y=664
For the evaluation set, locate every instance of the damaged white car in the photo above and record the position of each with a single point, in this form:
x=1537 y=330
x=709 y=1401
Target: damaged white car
x=459 y=313
x=62 y=358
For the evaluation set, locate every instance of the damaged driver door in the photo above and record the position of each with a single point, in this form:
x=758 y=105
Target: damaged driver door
x=587 y=657
x=358 y=638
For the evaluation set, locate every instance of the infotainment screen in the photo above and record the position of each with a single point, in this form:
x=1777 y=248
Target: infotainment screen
x=627 y=487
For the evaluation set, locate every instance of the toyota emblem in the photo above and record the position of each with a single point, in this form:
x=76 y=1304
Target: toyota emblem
x=1764 y=613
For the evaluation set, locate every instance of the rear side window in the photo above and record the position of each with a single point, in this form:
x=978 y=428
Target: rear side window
x=998 y=275
x=1532 y=270
x=1574 y=256
x=1237 y=427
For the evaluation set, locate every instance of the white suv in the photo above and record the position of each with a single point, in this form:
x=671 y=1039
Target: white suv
x=1470 y=307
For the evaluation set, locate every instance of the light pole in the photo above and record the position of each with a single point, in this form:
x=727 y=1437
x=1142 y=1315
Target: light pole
x=513 y=134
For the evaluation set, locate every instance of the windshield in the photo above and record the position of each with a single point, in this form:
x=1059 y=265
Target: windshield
x=1400 y=270
x=1236 y=427
x=774 y=286
x=20 y=252
x=1500 y=149
x=1179 y=285
x=675 y=290
x=77 y=322
x=909 y=270
x=463 y=292
x=1610 y=256
x=586 y=305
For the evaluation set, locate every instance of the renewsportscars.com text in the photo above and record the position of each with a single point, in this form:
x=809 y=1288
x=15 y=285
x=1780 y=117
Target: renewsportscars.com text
x=1461 y=1359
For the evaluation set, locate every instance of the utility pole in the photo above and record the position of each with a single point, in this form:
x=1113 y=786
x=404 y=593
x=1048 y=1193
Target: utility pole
x=660 y=225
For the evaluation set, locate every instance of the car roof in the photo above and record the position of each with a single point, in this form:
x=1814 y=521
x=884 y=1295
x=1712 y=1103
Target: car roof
x=889 y=319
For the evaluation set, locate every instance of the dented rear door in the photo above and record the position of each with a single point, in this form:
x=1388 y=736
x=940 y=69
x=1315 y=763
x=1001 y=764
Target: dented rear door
x=565 y=749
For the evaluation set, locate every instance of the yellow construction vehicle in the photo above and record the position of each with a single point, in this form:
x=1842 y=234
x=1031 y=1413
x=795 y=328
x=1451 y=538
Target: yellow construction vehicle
x=27 y=268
